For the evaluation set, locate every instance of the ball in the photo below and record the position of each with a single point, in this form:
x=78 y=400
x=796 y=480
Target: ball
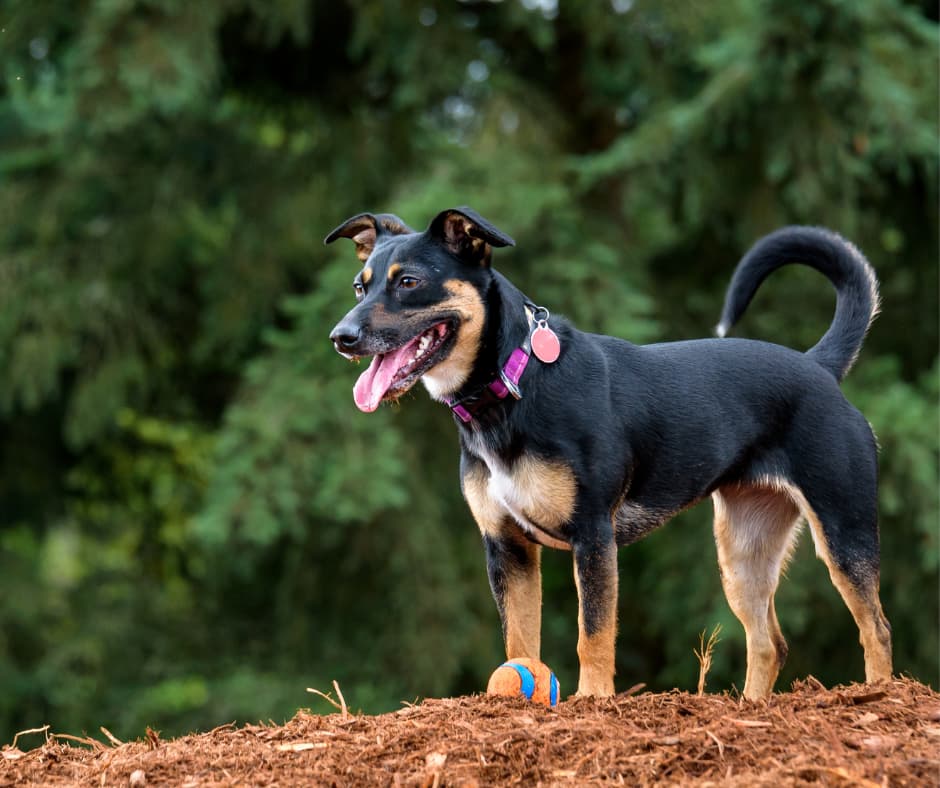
x=528 y=678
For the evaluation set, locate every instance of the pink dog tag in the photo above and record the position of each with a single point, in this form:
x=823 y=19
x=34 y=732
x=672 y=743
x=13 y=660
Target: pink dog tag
x=545 y=343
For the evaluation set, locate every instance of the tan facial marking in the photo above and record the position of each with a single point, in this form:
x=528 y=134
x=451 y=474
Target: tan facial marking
x=366 y=275
x=393 y=271
x=381 y=318
x=464 y=301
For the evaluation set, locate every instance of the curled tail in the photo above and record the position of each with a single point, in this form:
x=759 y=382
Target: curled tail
x=854 y=280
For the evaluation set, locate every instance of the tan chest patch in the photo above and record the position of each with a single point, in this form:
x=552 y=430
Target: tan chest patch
x=537 y=494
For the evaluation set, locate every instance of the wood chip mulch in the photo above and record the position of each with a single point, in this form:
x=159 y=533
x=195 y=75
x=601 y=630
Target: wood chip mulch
x=858 y=735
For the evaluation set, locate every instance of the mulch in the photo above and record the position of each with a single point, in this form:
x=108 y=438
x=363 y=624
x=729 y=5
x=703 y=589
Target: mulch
x=858 y=735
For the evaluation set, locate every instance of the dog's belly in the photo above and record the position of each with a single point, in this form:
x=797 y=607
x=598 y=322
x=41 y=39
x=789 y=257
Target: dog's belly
x=633 y=521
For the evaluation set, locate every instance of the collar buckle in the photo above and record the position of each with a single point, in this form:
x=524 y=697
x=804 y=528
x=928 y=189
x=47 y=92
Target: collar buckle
x=511 y=386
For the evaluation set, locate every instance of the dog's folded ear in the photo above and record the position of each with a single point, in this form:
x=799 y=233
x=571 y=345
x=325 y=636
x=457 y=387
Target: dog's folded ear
x=467 y=235
x=365 y=228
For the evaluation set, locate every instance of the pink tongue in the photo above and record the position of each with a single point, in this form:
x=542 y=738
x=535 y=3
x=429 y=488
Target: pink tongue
x=375 y=381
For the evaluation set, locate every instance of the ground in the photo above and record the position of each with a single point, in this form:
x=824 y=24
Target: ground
x=882 y=735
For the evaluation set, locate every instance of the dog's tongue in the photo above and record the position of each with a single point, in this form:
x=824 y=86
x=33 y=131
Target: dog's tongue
x=376 y=380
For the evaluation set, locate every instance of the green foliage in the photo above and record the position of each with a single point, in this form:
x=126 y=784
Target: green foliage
x=196 y=523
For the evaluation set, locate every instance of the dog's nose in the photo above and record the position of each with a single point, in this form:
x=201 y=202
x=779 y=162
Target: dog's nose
x=346 y=336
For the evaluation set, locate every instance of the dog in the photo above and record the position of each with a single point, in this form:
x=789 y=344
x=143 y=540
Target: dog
x=586 y=442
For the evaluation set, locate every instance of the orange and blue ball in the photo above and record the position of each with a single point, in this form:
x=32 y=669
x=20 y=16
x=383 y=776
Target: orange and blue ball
x=527 y=678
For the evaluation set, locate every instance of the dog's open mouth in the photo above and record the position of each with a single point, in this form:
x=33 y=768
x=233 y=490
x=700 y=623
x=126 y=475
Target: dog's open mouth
x=395 y=372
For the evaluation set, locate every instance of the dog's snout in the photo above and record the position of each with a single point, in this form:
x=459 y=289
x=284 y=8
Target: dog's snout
x=346 y=336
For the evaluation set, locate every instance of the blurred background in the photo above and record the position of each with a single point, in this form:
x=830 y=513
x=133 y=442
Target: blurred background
x=196 y=523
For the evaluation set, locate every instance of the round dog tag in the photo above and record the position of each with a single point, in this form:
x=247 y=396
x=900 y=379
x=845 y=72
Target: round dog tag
x=545 y=343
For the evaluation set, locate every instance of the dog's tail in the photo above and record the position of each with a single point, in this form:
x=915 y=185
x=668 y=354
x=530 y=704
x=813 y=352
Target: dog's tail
x=857 y=298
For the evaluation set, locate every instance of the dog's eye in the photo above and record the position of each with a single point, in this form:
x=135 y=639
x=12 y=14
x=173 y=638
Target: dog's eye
x=408 y=282
x=359 y=289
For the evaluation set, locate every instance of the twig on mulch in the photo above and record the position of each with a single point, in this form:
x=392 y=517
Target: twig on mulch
x=111 y=737
x=704 y=655
x=342 y=701
x=43 y=729
x=86 y=740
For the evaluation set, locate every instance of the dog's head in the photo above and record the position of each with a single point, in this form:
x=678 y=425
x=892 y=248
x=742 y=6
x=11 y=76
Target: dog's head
x=421 y=308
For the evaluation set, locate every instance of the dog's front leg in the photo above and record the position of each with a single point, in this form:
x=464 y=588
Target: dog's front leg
x=595 y=573
x=513 y=564
x=514 y=567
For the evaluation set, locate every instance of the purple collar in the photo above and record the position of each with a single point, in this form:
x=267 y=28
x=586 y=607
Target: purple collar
x=507 y=383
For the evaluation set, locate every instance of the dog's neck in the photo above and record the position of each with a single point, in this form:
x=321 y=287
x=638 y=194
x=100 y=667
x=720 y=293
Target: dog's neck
x=500 y=356
x=505 y=329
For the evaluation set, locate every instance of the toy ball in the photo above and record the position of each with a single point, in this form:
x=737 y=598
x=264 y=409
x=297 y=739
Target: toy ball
x=529 y=678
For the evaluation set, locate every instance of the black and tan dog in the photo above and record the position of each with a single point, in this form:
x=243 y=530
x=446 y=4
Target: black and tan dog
x=586 y=442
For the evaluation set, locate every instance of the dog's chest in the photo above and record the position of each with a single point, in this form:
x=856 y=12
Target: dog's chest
x=539 y=494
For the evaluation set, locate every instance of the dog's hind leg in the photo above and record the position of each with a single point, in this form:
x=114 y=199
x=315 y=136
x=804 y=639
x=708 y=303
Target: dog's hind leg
x=754 y=532
x=845 y=531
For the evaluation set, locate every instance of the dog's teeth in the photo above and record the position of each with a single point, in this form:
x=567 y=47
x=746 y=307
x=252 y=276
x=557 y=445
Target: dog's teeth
x=423 y=345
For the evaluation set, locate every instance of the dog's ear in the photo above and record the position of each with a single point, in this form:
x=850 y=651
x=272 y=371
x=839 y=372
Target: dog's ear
x=467 y=235
x=365 y=228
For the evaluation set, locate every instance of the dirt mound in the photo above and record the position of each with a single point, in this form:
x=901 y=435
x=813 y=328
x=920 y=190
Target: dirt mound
x=886 y=735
